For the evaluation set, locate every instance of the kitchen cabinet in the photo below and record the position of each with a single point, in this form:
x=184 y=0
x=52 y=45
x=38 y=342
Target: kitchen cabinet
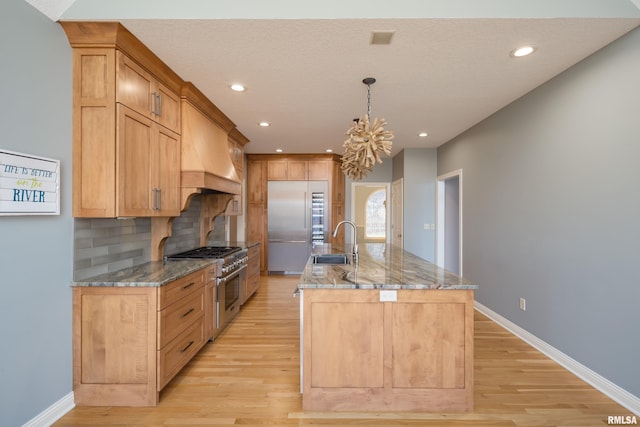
x=149 y=169
x=125 y=103
x=413 y=353
x=130 y=341
x=252 y=282
x=236 y=153
x=288 y=170
x=257 y=181
x=338 y=203
x=262 y=168
x=140 y=91
x=319 y=170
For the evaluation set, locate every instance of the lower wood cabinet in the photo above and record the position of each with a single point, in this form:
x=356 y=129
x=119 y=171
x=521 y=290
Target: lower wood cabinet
x=129 y=342
x=253 y=274
x=365 y=353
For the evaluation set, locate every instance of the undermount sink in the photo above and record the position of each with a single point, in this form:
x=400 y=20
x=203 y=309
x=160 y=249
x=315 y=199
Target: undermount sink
x=332 y=259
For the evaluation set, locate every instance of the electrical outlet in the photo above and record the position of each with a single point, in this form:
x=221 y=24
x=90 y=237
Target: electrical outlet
x=523 y=304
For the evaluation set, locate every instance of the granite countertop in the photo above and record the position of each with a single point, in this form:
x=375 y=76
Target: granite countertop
x=156 y=273
x=379 y=266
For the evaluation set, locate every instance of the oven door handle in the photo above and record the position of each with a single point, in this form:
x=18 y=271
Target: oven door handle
x=220 y=280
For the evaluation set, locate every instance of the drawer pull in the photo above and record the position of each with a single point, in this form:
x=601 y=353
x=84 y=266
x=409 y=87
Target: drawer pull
x=188 y=345
x=187 y=313
x=188 y=286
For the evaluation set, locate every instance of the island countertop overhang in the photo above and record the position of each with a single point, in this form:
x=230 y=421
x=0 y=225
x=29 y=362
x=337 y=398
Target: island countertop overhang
x=379 y=266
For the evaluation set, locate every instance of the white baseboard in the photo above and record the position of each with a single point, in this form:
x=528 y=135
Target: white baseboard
x=53 y=413
x=597 y=381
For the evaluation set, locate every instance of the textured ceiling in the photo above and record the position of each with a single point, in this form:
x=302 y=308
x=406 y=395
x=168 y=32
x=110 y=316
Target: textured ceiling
x=439 y=75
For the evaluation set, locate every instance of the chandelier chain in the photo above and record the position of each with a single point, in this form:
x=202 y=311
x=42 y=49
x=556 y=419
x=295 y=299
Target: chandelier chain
x=369 y=103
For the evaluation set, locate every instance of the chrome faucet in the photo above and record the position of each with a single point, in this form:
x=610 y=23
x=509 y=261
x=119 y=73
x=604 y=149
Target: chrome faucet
x=355 y=242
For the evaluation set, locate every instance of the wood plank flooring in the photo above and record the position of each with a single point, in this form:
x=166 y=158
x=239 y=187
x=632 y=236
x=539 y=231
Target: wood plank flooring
x=250 y=376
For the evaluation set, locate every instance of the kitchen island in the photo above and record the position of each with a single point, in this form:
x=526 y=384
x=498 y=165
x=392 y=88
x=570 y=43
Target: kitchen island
x=390 y=332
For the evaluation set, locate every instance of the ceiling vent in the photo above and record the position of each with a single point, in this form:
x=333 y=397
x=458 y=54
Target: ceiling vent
x=381 y=37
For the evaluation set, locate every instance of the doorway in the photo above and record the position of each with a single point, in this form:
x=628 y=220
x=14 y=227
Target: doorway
x=449 y=222
x=370 y=211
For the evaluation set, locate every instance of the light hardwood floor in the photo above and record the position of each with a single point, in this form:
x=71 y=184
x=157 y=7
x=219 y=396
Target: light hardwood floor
x=250 y=376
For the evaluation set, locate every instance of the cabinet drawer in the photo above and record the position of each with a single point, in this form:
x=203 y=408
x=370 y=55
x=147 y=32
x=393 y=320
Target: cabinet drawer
x=177 y=317
x=254 y=268
x=178 y=352
x=180 y=288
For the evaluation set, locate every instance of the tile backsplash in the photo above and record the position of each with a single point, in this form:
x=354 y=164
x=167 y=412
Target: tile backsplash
x=103 y=245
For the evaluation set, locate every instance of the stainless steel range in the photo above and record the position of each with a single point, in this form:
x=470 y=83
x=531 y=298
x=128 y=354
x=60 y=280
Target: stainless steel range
x=230 y=277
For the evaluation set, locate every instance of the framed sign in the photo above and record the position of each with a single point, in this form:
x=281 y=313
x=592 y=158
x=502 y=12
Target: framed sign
x=29 y=185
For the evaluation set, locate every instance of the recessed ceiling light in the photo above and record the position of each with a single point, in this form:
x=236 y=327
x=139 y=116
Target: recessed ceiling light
x=423 y=134
x=278 y=150
x=328 y=150
x=238 y=87
x=264 y=124
x=522 y=51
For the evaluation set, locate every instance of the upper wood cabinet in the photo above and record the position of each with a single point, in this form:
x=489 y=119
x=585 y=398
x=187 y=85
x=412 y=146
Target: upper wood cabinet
x=140 y=91
x=126 y=125
x=148 y=167
x=292 y=169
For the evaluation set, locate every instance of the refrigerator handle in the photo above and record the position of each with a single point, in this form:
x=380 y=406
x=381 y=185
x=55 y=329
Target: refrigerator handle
x=305 y=210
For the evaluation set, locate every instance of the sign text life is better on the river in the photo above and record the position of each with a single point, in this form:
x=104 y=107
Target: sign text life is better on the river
x=29 y=185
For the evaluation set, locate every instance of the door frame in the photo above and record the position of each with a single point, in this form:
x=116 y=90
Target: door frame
x=441 y=215
x=387 y=190
x=397 y=191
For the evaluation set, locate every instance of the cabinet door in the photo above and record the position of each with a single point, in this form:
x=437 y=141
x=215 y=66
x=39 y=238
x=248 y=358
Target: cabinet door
x=277 y=170
x=337 y=215
x=338 y=184
x=257 y=181
x=297 y=170
x=166 y=151
x=319 y=170
x=256 y=230
x=166 y=107
x=133 y=85
x=148 y=167
x=135 y=195
x=140 y=91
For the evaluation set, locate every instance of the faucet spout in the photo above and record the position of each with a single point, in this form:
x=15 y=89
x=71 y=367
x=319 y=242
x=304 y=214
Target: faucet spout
x=355 y=238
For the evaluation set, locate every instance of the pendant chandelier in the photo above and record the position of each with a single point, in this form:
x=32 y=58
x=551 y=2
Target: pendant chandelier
x=367 y=141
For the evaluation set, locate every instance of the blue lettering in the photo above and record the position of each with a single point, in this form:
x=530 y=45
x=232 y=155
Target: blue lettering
x=21 y=195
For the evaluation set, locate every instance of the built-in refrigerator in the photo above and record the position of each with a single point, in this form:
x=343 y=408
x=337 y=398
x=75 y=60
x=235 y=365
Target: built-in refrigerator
x=297 y=218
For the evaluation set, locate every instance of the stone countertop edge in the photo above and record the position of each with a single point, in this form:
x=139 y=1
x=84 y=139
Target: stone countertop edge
x=155 y=273
x=380 y=266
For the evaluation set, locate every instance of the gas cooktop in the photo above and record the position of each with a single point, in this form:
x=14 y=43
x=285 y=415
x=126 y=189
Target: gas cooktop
x=206 y=252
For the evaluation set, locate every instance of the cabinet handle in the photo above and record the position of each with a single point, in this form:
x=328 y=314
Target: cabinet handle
x=157 y=104
x=188 y=345
x=188 y=312
x=188 y=286
x=156 y=199
x=159 y=199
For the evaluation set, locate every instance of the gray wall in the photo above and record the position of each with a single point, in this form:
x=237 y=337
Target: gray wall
x=551 y=210
x=418 y=168
x=36 y=251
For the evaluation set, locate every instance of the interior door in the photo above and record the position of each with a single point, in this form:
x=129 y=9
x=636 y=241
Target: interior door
x=397 y=212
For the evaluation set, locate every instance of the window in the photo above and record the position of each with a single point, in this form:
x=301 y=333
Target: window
x=376 y=215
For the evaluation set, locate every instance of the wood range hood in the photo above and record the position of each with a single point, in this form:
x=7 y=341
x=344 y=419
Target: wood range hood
x=210 y=144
